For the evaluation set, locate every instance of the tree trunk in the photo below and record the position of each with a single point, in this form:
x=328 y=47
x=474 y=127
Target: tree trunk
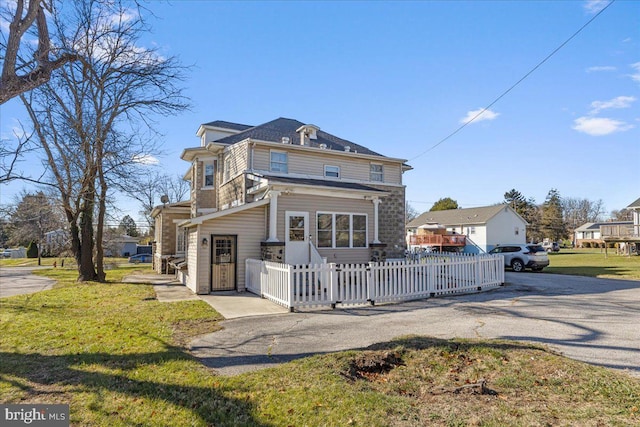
x=86 y=269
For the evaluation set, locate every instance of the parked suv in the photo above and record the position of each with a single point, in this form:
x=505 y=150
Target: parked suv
x=519 y=257
x=551 y=246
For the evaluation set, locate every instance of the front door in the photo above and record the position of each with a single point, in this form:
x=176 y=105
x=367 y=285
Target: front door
x=223 y=258
x=297 y=238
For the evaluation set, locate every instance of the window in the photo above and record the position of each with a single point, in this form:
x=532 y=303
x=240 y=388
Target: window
x=337 y=230
x=181 y=240
x=209 y=173
x=471 y=230
x=227 y=169
x=332 y=171
x=376 y=172
x=279 y=162
x=517 y=231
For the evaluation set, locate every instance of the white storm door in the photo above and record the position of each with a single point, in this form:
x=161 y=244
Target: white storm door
x=297 y=237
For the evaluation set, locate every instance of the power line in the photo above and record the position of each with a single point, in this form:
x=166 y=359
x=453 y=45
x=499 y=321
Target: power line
x=503 y=94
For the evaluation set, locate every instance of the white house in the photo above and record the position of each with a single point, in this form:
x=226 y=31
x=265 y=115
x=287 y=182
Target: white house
x=484 y=227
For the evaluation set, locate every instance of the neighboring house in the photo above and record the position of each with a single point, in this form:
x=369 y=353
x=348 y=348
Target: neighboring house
x=120 y=245
x=55 y=242
x=484 y=227
x=627 y=235
x=590 y=232
x=283 y=191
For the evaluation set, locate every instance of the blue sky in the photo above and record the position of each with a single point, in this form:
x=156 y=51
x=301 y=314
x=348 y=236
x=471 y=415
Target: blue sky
x=399 y=77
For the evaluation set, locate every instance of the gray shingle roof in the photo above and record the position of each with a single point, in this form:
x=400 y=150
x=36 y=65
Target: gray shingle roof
x=458 y=216
x=275 y=130
x=321 y=183
x=590 y=226
x=635 y=204
x=228 y=125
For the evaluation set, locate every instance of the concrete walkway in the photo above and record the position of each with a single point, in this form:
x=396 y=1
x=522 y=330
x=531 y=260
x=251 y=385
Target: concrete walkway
x=230 y=304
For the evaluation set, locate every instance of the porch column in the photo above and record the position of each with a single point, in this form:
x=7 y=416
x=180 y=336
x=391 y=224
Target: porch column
x=376 y=203
x=273 y=216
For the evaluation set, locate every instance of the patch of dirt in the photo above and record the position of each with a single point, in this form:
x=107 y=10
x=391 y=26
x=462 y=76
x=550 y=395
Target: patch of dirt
x=371 y=365
x=186 y=330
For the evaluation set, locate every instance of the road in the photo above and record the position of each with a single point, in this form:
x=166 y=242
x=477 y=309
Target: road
x=588 y=319
x=20 y=281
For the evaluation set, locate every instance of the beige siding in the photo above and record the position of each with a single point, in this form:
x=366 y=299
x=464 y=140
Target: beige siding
x=315 y=204
x=237 y=155
x=166 y=235
x=192 y=262
x=249 y=226
x=312 y=163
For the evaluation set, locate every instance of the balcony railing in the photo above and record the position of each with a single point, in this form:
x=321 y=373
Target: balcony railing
x=619 y=231
x=438 y=240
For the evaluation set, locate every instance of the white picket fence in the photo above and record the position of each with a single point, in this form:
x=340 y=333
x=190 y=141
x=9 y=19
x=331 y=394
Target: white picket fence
x=317 y=285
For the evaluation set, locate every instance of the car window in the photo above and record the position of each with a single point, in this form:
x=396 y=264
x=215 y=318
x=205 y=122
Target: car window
x=495 y=251
x=535 y=248
x=510 y=249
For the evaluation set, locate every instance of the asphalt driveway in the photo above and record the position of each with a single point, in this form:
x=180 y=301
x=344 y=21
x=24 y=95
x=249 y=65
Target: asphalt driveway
x=588 y=319
x=20 y=281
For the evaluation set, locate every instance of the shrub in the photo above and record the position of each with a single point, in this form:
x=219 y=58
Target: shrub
x=586 y=244
x=32 y=250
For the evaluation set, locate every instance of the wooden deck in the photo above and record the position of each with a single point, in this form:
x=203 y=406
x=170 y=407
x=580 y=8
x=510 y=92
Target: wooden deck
x=440 y=240
x=620 y=233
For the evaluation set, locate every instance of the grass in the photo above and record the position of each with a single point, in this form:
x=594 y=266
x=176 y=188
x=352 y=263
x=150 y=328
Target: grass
x=593 y=263
x=115 y=354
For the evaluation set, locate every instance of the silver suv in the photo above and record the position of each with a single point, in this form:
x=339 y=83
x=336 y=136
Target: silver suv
x=519 y=257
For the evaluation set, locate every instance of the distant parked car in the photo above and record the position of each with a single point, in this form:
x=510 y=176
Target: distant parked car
x=551 y=246
x=137 y=259
x=7 y=253
x=519 y=257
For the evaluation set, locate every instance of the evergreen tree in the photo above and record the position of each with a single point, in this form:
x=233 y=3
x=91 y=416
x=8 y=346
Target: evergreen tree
x=552 y=223
x=128 y=226
x=528 y=210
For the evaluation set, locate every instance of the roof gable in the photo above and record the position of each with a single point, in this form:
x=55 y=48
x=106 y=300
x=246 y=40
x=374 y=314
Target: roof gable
x=227 y=125
x=634 y=205
x=480 y=215
x=277 y=129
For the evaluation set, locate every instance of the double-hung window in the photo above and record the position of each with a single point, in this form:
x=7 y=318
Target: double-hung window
x=279 y=162
x=342 y=230
x=376 y=172
x=209 y=173
x=332 y=171
x=181 y=240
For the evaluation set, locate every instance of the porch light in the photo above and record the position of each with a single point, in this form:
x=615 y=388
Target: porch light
x=205 y=242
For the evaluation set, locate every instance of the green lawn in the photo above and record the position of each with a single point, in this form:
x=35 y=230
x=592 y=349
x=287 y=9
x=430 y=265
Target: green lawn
x=117 y=356
x=593 y=263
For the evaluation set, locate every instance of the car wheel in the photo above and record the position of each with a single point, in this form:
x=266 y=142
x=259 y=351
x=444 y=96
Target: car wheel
x=517 y=265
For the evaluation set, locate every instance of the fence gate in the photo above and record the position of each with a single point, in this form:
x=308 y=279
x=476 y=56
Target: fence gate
x=223 y=258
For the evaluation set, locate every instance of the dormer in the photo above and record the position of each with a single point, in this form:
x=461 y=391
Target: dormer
x=213 y=131
x=307 y=132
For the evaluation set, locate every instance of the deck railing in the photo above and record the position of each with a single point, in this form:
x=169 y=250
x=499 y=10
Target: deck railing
x=438 y=240
x=618 y=231
x=347 y=284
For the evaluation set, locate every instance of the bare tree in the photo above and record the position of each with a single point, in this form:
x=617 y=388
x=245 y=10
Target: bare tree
x=19 y=75
x=149 y=188
x=93 y=118
x=579 y=211
x=410 y=213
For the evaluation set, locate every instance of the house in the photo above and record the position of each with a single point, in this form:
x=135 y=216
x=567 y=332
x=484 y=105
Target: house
x=484 y=228
x=283 y=191
x=589 y=233
x=628 y=235
x=120 y=245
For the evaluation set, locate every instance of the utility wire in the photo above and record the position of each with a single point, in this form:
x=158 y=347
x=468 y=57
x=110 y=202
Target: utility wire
x=503 y=94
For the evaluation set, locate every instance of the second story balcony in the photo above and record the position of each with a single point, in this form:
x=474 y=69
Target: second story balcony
x=438 y=240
